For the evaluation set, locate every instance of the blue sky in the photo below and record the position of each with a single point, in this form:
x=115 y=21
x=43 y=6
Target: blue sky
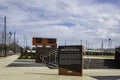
x=71 y=20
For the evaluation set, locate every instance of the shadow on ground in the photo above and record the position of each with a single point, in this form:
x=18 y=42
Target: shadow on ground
x=25 y=63
x=42 y=73
x=106 y=77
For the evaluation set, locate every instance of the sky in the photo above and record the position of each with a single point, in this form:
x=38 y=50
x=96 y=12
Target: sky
x=92 y=21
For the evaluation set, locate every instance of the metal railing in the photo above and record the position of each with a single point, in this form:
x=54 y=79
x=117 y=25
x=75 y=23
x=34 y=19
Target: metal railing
x=48 y=56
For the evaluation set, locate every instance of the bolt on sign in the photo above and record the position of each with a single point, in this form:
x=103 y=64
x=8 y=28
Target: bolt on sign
x=70 y=60
x=44 y=42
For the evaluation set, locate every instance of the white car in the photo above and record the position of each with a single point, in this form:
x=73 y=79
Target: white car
x=10 y=52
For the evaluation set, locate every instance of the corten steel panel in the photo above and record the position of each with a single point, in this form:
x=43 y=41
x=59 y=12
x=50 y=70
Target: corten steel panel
x=70 y=60
x=64 y=71
x=44 y=42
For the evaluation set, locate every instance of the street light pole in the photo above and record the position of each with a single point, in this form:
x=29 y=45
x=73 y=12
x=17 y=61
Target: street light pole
x=14 y=43
x=109 y=44
x=5 y=35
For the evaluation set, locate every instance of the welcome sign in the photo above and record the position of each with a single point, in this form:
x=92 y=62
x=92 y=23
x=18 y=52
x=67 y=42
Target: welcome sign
x=70 y=60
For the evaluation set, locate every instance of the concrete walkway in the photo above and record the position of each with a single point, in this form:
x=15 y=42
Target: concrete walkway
x=6 y=61
x=99 y=57
x=44 y=73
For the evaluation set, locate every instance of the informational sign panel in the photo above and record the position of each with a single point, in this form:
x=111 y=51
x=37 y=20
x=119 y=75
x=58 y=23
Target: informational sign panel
x=44 y=42
x=70 y=60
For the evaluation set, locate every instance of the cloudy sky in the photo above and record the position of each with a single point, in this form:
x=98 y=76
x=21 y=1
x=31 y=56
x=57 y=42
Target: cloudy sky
x=70 y=20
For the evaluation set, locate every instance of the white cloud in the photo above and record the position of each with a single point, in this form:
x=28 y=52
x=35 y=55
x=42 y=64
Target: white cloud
x=87 y=20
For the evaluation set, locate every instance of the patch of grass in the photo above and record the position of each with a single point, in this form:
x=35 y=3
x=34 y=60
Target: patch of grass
x=27 y=56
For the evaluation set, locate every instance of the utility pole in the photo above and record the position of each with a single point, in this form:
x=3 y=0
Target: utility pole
x=26 y=43
x=5 y=46
x=10 y=36
x=65 y=42
x=14 y=43
x=102 y=46
x=86 y=44
x=81 y=42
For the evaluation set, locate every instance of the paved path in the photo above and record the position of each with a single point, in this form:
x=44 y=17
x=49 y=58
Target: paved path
x=44 y=73
x=6 y=61
x=99 y=57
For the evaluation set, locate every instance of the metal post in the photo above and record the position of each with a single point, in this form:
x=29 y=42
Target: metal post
x=55 y=57
x=49 y=57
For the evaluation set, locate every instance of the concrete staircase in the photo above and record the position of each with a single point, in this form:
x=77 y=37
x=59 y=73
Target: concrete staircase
x=52 y=65
x=101 y=64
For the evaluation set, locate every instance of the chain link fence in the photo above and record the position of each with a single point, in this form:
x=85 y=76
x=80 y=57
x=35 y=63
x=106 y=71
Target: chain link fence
x=106 y=47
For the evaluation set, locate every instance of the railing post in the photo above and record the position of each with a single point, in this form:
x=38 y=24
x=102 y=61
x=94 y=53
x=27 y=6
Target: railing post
x=49 y=57
x=55 y=57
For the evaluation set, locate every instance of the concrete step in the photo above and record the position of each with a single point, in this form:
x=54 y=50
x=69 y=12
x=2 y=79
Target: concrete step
x=52 y=65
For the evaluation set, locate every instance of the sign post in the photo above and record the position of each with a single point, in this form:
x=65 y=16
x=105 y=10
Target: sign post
x=70 y=60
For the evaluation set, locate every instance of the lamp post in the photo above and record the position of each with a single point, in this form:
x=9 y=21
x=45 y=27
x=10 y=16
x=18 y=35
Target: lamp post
x=10 y=33
x=5 y=47
x=14 y=40
x=109 y=44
